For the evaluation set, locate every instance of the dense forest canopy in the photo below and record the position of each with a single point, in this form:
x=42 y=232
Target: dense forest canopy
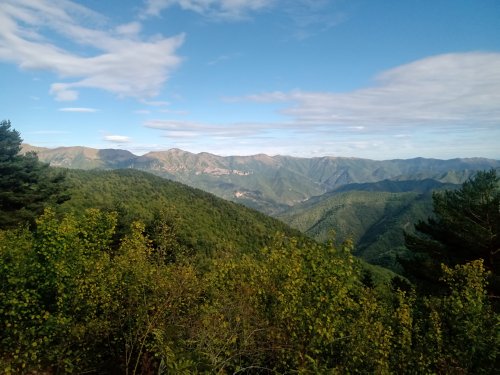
x=202 y=221
x=161 y=287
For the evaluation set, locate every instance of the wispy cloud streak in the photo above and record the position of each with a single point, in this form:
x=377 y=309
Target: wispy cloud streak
x=222 y=9
x=117 y=138
x=78 y=109
x=190 y=129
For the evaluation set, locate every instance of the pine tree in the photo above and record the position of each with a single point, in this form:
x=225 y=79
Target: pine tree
x=26 y=184
x=465 y=227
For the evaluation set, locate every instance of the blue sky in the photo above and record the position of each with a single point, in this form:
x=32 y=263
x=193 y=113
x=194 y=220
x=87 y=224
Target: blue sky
x=359 y=78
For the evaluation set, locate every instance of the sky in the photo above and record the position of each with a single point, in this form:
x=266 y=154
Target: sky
x=381 y=79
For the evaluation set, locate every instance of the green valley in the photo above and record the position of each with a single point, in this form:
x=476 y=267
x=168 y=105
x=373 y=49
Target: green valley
x=373 y=215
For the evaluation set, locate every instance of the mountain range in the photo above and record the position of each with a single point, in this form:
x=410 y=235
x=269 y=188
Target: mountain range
x=270 y=184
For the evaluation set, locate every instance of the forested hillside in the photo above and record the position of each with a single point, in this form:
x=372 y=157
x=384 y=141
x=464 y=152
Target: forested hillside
x=201 y=221
x=75 y=298
x=133 y=274
x=198 y=221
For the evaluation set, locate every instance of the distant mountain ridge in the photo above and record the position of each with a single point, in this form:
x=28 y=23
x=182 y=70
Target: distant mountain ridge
x=271 y=184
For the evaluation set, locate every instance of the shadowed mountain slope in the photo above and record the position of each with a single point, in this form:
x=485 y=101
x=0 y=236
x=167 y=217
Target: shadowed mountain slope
x=373 y=215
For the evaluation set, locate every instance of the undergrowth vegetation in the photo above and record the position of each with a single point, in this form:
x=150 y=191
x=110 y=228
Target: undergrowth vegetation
x=75 y=300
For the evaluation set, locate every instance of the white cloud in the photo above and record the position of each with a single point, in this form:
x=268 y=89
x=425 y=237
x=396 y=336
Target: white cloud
x=78 y=109
x=181 y=134
x=443 y=106
x=305 y=18
x=228 y=9
x=454 y=89
x=117 y=138
x=62 y=93
x=32 y=33
x=189 y=129
x=130 y=29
